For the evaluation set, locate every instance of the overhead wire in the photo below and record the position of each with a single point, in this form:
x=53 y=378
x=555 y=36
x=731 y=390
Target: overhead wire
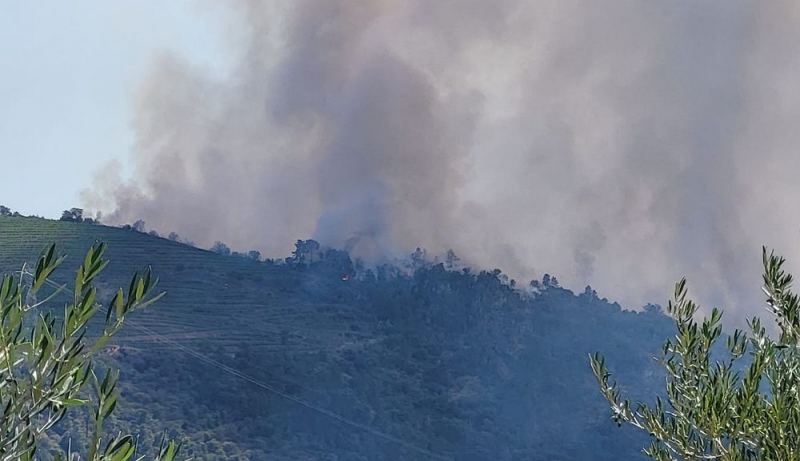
x=256 y=382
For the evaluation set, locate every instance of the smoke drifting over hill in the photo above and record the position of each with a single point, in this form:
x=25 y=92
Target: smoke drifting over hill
x=622 y=144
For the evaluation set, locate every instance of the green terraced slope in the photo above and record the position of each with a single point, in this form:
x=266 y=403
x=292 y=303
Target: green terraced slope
x=261 y=319
x=208 y=295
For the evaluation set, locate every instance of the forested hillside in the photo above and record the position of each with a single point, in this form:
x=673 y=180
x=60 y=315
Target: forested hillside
x=315 y=357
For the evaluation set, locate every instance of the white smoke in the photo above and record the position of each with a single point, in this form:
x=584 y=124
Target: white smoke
x=624 y=144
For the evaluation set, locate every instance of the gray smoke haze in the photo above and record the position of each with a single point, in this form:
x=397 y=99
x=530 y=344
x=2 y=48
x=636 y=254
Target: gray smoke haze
x=624 y=144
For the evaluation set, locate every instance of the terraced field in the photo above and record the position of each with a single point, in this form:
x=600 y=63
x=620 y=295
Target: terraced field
x=226 y=308
x=212 y=300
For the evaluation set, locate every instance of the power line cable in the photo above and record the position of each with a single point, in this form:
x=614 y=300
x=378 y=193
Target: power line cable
x=283 y=394
x=277 y=391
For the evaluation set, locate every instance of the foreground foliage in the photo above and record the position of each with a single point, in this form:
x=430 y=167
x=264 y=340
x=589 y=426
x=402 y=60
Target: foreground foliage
x=46 y=362
x=746 y=407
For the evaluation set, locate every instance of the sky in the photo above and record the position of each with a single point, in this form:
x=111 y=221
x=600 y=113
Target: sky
x=69 y=73
x=621 y=144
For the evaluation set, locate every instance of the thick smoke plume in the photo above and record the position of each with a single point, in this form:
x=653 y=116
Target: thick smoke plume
x=623 y=144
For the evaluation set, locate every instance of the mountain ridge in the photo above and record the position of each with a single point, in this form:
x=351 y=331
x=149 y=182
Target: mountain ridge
x=454 y=363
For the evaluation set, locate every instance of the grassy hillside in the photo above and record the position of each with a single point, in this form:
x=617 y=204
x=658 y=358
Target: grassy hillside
x=434 y=365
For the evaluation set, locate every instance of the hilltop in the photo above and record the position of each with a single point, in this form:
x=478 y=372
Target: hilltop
x=383 y=365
